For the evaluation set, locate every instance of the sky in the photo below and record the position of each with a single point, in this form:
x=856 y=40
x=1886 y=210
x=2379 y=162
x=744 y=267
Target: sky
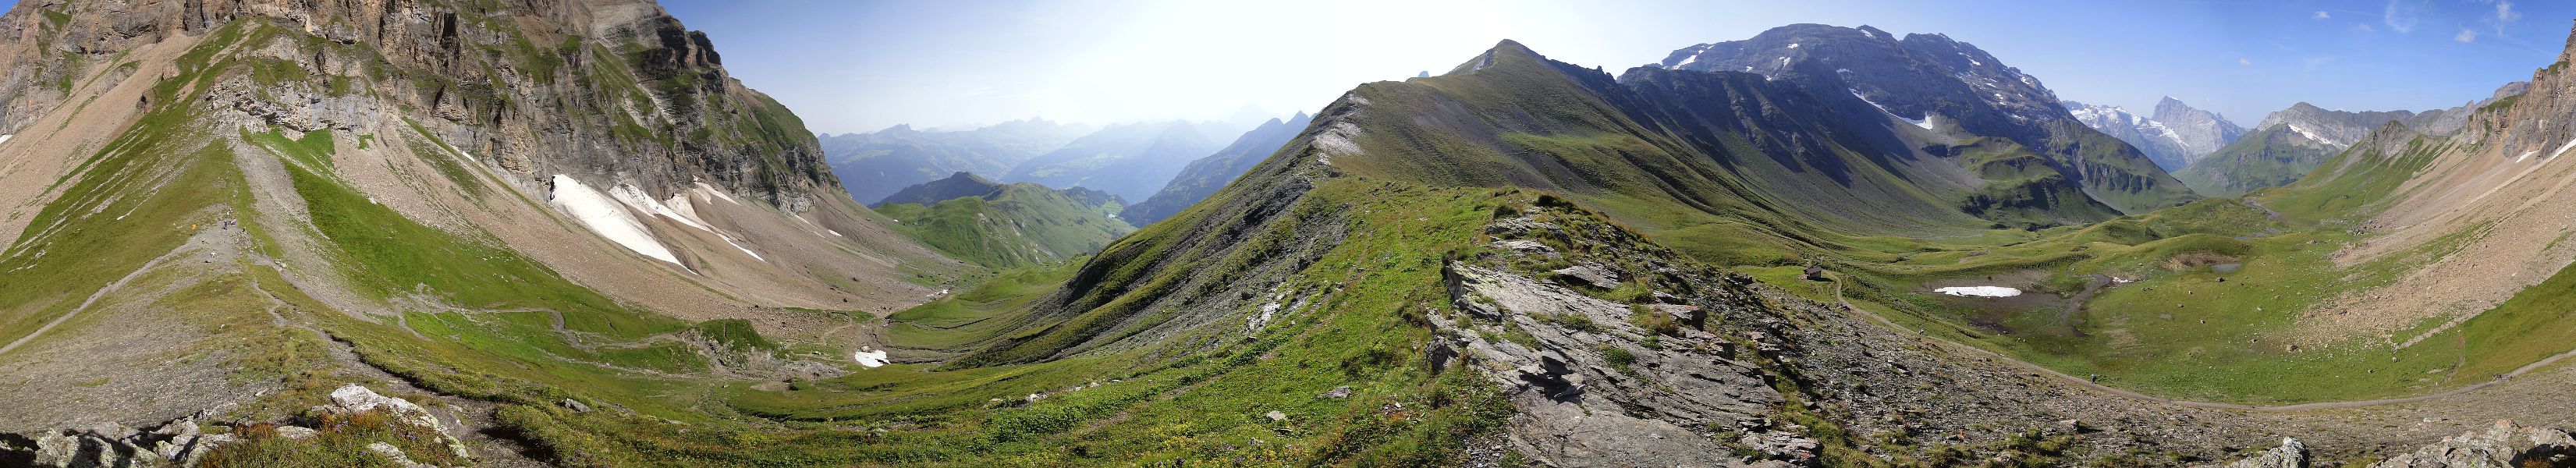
x=859 y=66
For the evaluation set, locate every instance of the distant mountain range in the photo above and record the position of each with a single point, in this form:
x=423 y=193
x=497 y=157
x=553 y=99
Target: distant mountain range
x=2175 y=136
x=875 y=164
x=2296 y=140
x=1204 y=176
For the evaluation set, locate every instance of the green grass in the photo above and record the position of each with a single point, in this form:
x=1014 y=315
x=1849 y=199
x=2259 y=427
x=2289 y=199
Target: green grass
x=394 y=255
x=1198 y=396
x=1023 y=225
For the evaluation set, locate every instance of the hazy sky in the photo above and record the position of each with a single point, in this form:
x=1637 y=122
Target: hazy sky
x=857 y=66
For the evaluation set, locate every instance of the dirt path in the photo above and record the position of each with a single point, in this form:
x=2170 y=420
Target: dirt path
x=2085 y=383
x=102 y=292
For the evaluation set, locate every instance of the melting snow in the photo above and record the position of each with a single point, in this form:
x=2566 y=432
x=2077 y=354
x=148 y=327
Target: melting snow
x=1793 y=45
x=2313 y=136
x=602 y=214
x=635 y=198
x=1925 y=122
x=2525 y=155
x=1686 y=61
x=836 y=233
x=5 y=138
x=2562 y=149
x=869 y=357
x=719 y=193
x=1979 y=291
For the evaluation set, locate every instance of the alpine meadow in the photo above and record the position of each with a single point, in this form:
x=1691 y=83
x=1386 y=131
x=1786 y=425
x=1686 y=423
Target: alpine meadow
x=1154 y=233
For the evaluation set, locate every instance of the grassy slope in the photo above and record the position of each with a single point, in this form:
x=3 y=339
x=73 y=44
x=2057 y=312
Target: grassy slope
x=2258 y=160
x=1021 y=225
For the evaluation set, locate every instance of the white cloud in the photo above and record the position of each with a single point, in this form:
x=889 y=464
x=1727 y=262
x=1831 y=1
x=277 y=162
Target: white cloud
x=2321 y=14
x=2364 y=27
x=2401 y=15
x=2505 y=13
x=2466 y=36
x=2243 y=61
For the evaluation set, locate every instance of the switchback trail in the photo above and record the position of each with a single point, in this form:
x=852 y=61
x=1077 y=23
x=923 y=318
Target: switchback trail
x=1891 y=325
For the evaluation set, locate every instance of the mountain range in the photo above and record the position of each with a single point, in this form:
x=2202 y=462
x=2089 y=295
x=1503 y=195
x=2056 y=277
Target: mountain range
x=540 y=233
x=2296 y=140
x=1202 y=177
x=875 y=164
x=2175 y=136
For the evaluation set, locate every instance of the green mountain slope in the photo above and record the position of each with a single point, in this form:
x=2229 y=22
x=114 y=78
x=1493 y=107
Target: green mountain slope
x=492 y=208
x=957 y=185
x=1005 y=225
x=2270 y=157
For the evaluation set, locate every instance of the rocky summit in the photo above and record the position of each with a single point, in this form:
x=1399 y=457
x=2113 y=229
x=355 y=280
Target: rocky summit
x=532 y=233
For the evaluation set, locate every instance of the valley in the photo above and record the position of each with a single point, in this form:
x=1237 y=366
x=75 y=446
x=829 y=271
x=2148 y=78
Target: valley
x=555 y=233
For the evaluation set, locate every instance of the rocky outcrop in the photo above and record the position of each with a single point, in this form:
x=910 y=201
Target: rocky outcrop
x=608 y=92
x=174 y=443
x=2503 y=445
x=2291 y=454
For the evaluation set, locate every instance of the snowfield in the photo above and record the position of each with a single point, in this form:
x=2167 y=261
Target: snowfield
x=1979 y=291
x=869 y=358
x=603 y=215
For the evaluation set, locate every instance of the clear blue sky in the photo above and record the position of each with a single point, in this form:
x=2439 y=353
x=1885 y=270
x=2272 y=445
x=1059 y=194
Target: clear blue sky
x=854 y=66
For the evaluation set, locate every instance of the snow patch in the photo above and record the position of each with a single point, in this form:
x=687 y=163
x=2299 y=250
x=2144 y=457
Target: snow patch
x=635 y=198
x=836 y=233
x=1793 y=45
x=1925 y=122
x=1686 y=61
x=2313 y=136
x=2562 y=149
x=602 y=214
x=5 y=138
x=719 y=193
x=1979 y=291
x=869 y=357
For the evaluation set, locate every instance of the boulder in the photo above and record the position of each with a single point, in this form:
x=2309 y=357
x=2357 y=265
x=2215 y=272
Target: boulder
x=1590 y=274
x=2291 y=454
x=2503 y=445
x=1337 y=392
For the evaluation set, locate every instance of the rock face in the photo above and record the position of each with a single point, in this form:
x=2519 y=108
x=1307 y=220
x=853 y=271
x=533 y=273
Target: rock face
x=2159 y=142
x=1589 y=395
x=2175 y=137
x=2201 y=132
x=515 y=93
x=1946 y=86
